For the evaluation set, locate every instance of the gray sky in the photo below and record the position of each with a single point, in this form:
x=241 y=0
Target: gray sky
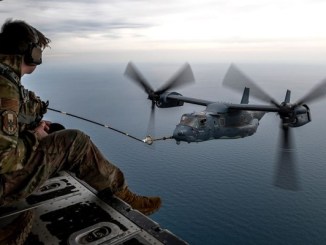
x=178 y=30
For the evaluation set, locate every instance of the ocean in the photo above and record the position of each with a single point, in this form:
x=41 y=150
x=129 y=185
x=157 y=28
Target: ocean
x=214 y=192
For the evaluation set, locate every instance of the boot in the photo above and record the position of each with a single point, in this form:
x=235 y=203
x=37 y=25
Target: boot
x=146 y=205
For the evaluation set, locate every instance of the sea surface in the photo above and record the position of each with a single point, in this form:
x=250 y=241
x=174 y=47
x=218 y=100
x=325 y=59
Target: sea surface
x=214 y=192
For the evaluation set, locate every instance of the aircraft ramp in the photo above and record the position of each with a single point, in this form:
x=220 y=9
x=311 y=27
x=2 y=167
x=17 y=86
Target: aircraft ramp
x=68 y=211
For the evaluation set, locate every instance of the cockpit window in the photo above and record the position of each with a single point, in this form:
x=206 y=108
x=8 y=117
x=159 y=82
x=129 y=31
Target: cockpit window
x=202 y=121
x=189 y=121
x=193 y=121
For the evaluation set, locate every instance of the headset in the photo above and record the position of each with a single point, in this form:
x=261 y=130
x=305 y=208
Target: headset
x=33 y=54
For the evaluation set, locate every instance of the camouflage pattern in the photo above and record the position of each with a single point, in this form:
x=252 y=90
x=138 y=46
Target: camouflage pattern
x=12 y=150
x=25 y=162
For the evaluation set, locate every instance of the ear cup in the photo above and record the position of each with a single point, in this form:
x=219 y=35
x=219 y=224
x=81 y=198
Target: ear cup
x=33 y=55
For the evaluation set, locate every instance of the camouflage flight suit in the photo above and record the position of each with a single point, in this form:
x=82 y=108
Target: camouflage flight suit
x=25 y=162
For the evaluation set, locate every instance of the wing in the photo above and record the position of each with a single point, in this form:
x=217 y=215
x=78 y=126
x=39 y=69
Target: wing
x=189 y=100
x=241 y=107
x=246 y=107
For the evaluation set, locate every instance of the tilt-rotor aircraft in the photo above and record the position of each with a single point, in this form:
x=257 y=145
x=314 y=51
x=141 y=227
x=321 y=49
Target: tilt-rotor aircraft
x=230 y=121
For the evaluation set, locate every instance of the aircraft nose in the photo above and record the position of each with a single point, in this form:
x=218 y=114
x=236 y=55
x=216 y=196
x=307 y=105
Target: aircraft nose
x=183 y=133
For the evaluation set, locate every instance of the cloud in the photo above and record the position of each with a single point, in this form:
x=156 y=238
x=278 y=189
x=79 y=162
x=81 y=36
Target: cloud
x=176 y=20
x=103 y=25
x=62 y=16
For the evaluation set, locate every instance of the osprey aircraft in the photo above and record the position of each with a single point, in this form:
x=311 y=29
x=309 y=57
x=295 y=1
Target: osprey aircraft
x=230 y=121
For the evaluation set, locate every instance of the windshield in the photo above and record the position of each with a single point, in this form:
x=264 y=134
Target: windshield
x=192 y=121
x=189 y=121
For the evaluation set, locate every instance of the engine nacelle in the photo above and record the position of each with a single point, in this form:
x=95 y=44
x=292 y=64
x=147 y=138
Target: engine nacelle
x=301 y=116
x=165 y=102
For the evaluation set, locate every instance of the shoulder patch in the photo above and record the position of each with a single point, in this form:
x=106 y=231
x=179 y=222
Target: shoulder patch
x=9 y=122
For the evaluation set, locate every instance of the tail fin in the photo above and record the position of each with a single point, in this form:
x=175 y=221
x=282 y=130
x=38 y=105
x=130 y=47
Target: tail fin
x=287 y=96
x=245 y=96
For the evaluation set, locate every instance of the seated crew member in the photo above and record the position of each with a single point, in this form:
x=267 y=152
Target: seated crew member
x=29 y=153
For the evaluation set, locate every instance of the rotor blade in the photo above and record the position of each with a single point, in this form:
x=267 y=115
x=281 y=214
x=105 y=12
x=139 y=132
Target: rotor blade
x=286 y=172
x=237 y=80
x=316 y=93
x=182 y=77
x=133 y=73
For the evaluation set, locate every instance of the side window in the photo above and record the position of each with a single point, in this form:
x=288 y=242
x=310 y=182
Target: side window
x=222 y=122
x=216 y=123
x=202 y=122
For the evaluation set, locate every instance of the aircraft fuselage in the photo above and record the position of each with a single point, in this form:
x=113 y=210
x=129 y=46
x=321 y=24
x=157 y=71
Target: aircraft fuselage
x=205 y=125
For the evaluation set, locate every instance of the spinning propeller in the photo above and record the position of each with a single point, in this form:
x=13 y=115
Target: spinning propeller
x=289 y=113
x=182 y=77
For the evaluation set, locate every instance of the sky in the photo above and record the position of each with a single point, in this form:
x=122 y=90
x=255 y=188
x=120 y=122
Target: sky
x=178 y=30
